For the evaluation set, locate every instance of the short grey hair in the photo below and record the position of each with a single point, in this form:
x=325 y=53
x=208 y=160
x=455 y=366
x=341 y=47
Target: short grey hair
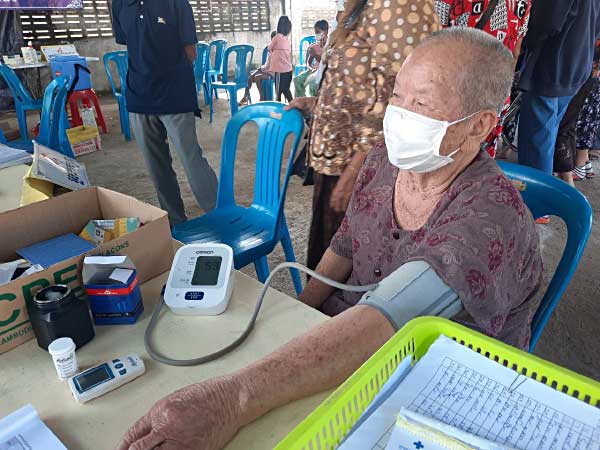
x=486 y=68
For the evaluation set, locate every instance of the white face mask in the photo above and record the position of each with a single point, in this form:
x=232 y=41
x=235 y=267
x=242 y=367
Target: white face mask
x=319 y=36
x=413 y=141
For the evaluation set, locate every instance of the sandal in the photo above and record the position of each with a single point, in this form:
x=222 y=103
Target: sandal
x=589 y=170
x=579 y=173
x=243 y=102
x=544 y=220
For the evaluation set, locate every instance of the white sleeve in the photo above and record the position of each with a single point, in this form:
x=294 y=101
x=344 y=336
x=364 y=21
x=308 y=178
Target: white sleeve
x=413 y=290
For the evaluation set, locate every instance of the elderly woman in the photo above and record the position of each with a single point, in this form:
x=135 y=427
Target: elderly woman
x=432 y=196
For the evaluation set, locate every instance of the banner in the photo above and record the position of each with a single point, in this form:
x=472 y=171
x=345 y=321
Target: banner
x=41 y=4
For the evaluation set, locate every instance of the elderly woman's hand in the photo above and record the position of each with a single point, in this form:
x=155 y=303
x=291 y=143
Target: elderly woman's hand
x=203 y=416
x=303 y=104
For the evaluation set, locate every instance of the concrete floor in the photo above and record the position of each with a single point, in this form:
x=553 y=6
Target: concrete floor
x=571 y=339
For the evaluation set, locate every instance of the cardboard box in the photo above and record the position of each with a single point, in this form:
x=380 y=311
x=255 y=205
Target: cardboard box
x=150 y=248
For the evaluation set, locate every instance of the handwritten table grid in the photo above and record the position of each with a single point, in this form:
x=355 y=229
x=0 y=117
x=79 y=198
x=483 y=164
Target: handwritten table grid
x=465 y=399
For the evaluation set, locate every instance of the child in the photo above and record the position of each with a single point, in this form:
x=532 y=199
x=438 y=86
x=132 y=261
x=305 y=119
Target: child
x=281 y=58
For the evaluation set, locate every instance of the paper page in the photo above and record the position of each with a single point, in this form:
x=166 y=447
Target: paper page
x=466 y=390
x=23 y=430
x=121 y=275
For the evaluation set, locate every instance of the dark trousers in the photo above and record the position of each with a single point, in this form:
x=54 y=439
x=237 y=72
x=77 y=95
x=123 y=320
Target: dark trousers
x=566 y=141
x=325 y=221
x=283 y=81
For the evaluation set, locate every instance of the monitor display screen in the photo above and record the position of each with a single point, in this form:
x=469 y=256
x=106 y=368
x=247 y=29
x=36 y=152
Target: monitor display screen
x=206 y=272
x=93 y=377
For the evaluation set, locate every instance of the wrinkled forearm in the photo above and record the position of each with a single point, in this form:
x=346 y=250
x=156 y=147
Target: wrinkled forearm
x=318 y=360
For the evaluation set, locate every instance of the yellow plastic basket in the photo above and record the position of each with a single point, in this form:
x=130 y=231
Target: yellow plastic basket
x=327 y=425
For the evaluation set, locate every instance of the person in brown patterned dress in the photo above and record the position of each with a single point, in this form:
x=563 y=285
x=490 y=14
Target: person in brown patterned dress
x=366 y=51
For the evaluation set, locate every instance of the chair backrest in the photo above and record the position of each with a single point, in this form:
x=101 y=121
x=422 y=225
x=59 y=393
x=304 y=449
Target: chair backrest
x=201 y=63
x=19 y=91
x=53 y=123
x=305 y=42
x=243 y=60
x=121 y=62
x=2 y=138
x=219 y=46
x=545 y=195
x=274 y=126
x=265 y=55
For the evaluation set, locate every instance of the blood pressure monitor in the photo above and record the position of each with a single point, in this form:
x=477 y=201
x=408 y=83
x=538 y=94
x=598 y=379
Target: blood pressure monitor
x=201 y=280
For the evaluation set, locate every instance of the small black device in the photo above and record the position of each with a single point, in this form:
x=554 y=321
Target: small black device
x=57 y=312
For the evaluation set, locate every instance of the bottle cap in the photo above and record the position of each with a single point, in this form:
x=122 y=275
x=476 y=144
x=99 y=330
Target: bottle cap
x=61 y=346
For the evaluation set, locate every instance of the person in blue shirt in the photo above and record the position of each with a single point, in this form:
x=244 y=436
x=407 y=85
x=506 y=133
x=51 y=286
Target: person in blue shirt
x=559 y=47
x=160 y=36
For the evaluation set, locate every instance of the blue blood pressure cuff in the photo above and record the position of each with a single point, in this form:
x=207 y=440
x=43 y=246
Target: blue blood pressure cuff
x=413 y=290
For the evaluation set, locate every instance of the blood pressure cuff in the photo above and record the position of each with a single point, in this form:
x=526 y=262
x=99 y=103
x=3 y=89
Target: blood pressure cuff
x=413 y=290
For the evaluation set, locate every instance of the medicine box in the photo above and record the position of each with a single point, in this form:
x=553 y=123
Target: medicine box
x=113 y=289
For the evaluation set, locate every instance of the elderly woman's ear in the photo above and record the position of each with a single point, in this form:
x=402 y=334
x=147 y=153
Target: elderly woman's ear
x=482 y=125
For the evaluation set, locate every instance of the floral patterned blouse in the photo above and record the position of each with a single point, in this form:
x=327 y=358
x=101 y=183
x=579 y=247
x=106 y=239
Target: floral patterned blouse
x=481 y=241
x=359 y=79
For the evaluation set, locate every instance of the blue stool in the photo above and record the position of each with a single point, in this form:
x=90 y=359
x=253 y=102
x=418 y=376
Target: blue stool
x=254 y=231
x=545 y=195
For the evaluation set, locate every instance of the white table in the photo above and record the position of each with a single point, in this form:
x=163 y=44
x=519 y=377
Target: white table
x=40 y=92
x=41 y=64
x=27 y=374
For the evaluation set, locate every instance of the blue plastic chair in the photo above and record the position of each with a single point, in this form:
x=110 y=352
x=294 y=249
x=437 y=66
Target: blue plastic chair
x=202 y=58
x=305 y=42
x=243 y=58
x=546 y=195
x=2 y=138
x=215 y=68
x=267 y=85
x=23 y=100
x=120 y=60
x=254 y=231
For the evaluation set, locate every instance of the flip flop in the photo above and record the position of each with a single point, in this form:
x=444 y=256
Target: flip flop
x=544 y=220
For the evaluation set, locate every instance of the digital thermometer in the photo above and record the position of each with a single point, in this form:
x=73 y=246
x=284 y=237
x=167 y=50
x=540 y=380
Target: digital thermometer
x=106 y=377
x=201 y=280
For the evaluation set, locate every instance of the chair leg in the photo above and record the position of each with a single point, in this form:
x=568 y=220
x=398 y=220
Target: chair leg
x=233 y=100
x=76 y=120
x=262 y=268
x=215 y=92
x=206 y=94
x=99 y=115
x=288 y=250
x=22 y=119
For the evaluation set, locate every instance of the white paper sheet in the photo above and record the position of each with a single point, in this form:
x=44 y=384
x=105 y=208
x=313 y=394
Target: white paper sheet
x=121 y=275
x=464 y=389
x=24 y=430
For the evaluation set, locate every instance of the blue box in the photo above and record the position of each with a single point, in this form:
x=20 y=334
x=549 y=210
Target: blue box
x=65 y=66
x=114 y=300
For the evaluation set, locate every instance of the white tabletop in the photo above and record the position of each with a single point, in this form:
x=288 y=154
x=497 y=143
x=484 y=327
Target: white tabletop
x=45 y=64
x=28 y=375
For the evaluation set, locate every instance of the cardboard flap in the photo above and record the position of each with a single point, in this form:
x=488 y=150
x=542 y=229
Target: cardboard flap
x=92 y=265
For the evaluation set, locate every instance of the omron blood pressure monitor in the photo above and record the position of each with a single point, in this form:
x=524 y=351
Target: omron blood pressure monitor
x=201 y=280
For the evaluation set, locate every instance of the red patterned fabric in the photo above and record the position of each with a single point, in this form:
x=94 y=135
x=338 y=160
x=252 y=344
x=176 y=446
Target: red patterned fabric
x=481 y=240
x=508 y=24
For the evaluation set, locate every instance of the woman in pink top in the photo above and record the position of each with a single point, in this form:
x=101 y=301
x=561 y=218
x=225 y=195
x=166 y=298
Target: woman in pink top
x=280 y=50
